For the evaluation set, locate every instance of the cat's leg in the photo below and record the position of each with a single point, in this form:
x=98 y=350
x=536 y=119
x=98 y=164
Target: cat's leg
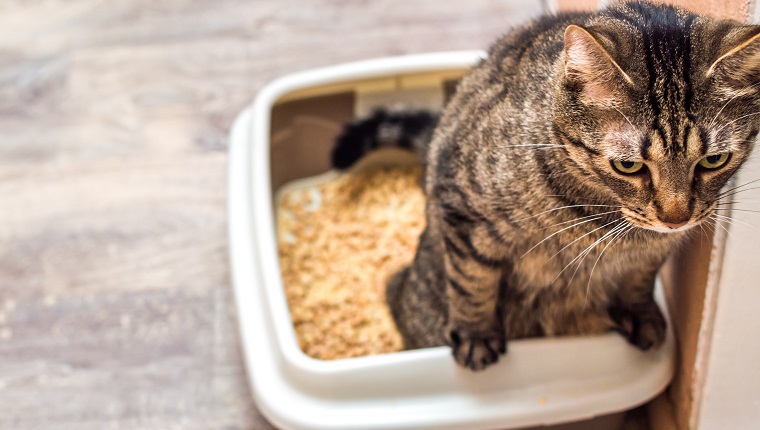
x=417 y=301
x=475 y=330
x=635 y=313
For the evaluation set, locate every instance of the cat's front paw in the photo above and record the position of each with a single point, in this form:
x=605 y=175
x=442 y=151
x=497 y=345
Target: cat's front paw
x=643 y=325
x=474 y=350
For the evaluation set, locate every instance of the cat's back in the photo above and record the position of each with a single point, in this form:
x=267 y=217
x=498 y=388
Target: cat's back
x=539 y=41
x=519 y=64
x=506 y=97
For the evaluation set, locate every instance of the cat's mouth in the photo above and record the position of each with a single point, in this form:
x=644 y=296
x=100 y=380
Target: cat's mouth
x=641 y=221
x=663 y=228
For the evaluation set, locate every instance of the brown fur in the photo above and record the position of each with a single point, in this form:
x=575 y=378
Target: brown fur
x=531 y=230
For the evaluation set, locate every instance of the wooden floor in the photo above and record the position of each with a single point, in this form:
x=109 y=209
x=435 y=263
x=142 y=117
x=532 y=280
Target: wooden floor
x=116 y=309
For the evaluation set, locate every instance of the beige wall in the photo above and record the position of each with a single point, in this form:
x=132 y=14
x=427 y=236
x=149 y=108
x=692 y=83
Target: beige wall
x=734 y=9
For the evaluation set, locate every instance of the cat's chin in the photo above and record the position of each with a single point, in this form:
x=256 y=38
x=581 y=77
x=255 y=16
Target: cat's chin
x=668 y=230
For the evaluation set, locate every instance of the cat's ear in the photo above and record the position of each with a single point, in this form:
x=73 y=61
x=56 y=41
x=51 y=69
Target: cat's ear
x=738 y=68
x=589 y=65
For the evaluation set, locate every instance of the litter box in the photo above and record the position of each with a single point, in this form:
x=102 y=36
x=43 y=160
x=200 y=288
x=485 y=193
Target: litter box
x=286 y=135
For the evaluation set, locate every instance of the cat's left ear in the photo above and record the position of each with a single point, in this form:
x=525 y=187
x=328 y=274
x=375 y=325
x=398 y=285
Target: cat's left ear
x=738 y=68
x=590 y=66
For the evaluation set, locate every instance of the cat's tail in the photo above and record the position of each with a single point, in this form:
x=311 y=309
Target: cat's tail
x=410 y=129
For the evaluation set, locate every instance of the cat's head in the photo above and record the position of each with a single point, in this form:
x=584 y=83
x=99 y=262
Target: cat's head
x=659 y=108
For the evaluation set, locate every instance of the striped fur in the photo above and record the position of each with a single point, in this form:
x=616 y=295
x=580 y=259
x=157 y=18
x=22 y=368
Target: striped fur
x=531 y=228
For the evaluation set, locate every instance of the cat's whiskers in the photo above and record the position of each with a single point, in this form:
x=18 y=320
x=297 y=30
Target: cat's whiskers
x=580 y=218
x=577 y=239
x=533 y=145
x=729 y=191
x=595 y=217
x=702 y=230
x=734 y=120
x=735 y=141
x=591 y=201
x=731 y=220
x=737 y=202
x=744 y=184
x=625 y=117
x=737 y=209
x=564 y=207
x=627 y=227
x=729 y=145
x=711 y=226
x=719 y=223
x=706 y=224
x=626 y=136
x=733 y=193
x=638 y=218
x=582 y=256
x=715 y=118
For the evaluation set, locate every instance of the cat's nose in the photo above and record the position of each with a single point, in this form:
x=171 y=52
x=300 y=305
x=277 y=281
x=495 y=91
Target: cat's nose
x=674 y=220
x=673 y=213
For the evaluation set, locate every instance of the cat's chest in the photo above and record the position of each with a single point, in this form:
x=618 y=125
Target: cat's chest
x=590 y=263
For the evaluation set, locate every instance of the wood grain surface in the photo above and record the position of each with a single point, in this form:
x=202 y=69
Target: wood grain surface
x=116 y=309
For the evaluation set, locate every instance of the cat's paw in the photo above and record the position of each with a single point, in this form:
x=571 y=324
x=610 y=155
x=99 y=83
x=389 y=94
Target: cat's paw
x=476 y=351
x=643 y=325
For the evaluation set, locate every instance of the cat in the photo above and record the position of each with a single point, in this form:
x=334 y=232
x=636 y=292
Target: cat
x=564 y=170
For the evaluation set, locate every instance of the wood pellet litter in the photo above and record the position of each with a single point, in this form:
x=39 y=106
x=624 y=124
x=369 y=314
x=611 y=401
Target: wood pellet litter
x=338 y=244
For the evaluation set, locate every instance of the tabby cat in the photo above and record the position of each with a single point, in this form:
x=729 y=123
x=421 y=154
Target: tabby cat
x=567 y=166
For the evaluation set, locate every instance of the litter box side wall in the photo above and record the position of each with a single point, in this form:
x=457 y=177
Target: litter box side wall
x=272 y=166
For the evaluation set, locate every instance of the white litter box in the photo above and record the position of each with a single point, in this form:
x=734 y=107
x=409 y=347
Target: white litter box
x=287 y=135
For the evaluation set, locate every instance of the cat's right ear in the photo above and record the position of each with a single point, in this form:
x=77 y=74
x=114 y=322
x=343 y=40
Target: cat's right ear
x=738 y=69
x=592 y=68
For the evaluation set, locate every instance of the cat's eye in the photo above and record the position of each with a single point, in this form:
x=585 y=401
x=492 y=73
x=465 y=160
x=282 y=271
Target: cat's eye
x=714 y=161
x=627 y=167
